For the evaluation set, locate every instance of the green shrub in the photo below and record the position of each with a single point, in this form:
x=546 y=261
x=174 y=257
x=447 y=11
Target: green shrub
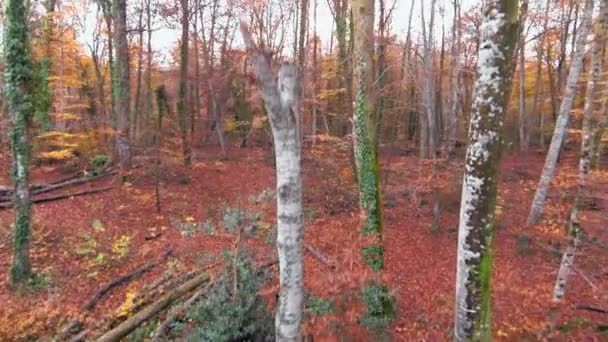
x=381 y=307
x=98 y=164
x=317 y=306
x=223 y=316
x=235 y=218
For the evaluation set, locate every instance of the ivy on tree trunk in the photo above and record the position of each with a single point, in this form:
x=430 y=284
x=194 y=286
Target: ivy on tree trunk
x=19 y=82
x=499 y=30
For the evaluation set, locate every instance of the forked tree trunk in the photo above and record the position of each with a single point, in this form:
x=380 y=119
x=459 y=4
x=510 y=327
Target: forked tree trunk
x=559 y=134
x=280 y=102
x=18 y=78
x=123 y=85
x=574 y=228
x=499 y=30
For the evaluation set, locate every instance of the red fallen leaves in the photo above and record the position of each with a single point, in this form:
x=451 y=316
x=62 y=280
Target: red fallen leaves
x=419 y=266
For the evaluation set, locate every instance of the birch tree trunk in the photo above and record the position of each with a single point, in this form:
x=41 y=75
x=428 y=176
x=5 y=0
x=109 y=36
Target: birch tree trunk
x=18 y=93
x=559 y=134
x=454 y=82
x=182 y=101
x=574 y=228
x=521 y=117
x=428 y=148
x=123 y=84
x=280 y=100
x=499 y=30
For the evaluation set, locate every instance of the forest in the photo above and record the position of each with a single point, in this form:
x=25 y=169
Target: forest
x=301 y=170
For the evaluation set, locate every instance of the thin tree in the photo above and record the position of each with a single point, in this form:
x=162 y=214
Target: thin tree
x=574 y=229
x=454 y=80
x=182 y=101
x=140 y=62
x=18 y=92
x=539 y=68
x=559 y=133
x=123 y=84
x=280 y=102
x=499 y=31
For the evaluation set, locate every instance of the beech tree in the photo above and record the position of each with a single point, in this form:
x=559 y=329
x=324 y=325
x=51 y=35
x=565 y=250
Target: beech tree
x=19 y=96
x=574 y=229
x=280 y=100
x=561 y=124
x=499 y=31
x=122 y=87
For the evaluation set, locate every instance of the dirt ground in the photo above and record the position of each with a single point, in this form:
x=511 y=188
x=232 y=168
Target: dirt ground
x=123 y=226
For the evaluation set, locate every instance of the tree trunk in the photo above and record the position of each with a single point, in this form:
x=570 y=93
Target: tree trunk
x=149 y=61
x=140 y=62
x=197 y=71
x=18 y=78
x=455 y=81
x=182 y=101
x=521 y=118
x=499 y=31
x=280 y=102
x=302 y=63
x=315 y=75
x=559 y=134
x=428 y=92
x=539 y=68
x=123 y=85
x=365 y=147
x=574 y=229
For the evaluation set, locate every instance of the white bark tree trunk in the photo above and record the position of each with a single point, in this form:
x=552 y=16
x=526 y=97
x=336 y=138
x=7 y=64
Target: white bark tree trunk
x=499 y=30
x=280 y=99
x=559 y=133
x=574 y=229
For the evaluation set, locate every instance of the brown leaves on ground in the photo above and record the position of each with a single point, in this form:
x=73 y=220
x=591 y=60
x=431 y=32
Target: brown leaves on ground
x=419 y=265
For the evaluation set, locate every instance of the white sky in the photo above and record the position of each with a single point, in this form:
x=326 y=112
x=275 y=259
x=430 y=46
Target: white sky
x=164 y=40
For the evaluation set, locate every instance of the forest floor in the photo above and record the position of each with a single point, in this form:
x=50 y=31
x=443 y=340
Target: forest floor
x=81 y=243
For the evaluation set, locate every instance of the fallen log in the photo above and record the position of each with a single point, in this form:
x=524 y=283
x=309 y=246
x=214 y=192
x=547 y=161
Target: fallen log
x=123 y=280
x=136 y=320
x=178 y=313
x=8 y=205
x=591 y=308
x=319 y=256
x=64 y=183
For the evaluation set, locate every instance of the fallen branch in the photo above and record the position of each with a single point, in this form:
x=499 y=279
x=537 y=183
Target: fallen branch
x=124 y=279
x=320 y=256
x=7 y=205
x=136 y=320
x=71 y=182
x=6 y=194
x=178 y=313
x=591 y=308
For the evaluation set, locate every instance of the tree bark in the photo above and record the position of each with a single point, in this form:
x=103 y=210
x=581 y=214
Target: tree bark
x=455 y=81
x=123 y=85
x=182 y=101
x=539 y=68
x=559 y=134
x=365 y=146
x=18 y=94
x=574 y=229
x=280 y=102
x=140 y=62
x=499 y=30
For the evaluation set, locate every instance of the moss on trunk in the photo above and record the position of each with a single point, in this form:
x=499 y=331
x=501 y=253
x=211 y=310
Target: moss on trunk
x=19 y=81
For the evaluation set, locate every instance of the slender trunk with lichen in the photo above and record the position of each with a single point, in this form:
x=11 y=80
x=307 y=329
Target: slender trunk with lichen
x=499 y=31
x=138 y=88
x=122 y=85
x=454 y=82
x=18 y=94
x=559 y=133
x=182 y=101
x=281 y=105
x=574 y=228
